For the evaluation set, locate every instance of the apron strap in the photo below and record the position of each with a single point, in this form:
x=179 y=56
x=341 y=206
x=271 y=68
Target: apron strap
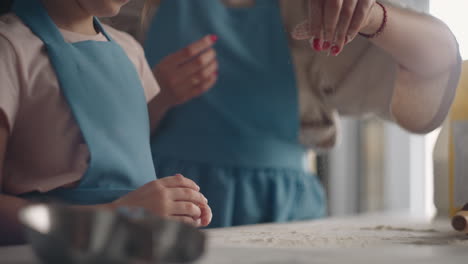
x=99 y=26
x=34 y=14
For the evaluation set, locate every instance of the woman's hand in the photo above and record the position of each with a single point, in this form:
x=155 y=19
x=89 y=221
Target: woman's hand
x=187 y=73
x=175 y=197
x=334 y=23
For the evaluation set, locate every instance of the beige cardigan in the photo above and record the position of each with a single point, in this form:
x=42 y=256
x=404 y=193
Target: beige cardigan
x=359 y=82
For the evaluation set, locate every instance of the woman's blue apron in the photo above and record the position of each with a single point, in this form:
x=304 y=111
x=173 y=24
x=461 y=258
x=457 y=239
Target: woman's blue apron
x=239 y=141
x=104 y=92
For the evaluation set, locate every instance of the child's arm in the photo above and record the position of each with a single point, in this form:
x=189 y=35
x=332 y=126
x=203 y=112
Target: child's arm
x=10 y=232
x=157 y=109
x=10 y=228
x=423 y=48
x=183 y=76
x=174 y=197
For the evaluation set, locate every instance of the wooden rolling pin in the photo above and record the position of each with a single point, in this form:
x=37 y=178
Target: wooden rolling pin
x=460 y=221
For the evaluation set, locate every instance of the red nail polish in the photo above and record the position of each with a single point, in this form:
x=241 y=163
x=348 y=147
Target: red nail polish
x=326 y=45
x=317 y=46
x=214 y=38
x=335 y=50
x=216 y=73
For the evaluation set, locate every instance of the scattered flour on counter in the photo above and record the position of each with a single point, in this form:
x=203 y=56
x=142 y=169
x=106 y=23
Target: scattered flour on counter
x=340 y=237
x=295 y=239
x=402 y=229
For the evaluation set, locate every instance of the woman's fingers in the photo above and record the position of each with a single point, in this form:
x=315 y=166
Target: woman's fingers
x=206 y=85
x=196 y=64
x=183 y=83
x=201 y=88
x=175 y=73
x=331 y=16
x=201 y=81
x=315 y=23
x=202 y=75
x=178 y=74
x=302 y=31
x=334 y=23
x=175 y=59
x=346 y=15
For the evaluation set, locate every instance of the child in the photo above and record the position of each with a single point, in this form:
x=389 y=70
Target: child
x=74 y=125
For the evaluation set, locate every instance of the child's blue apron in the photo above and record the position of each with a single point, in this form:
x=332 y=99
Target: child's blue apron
x=239 y=141
x=104 y=92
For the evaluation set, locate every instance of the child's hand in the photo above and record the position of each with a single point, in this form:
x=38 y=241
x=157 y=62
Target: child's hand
x=189 y=72
x=173 y=197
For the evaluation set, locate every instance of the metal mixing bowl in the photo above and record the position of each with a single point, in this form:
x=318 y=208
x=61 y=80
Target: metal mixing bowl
x=61 y=234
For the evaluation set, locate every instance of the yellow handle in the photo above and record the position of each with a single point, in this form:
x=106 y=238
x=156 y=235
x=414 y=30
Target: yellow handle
x=459 y=112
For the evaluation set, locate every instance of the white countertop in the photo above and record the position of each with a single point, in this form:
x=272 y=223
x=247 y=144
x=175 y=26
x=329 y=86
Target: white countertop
x=380 y=238
x=367 y=231
x=365 y=239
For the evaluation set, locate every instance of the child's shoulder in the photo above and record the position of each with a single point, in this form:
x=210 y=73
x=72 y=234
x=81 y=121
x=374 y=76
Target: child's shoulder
x=13 y=29
x=123 y=38
x=131 y=46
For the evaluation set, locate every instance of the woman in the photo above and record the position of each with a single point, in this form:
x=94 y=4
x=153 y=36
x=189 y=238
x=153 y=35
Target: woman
x=271 y=96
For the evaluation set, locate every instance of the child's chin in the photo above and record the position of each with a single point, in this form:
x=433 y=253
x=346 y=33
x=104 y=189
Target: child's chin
x=109 y=13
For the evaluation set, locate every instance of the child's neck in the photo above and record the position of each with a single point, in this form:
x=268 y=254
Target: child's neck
x=69 y=15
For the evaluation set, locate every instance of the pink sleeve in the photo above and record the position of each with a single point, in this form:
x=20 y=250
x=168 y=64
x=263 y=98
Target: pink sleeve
x=9 y=81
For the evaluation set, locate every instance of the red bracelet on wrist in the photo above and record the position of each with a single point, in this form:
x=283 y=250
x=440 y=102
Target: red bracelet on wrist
x=382 y=26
